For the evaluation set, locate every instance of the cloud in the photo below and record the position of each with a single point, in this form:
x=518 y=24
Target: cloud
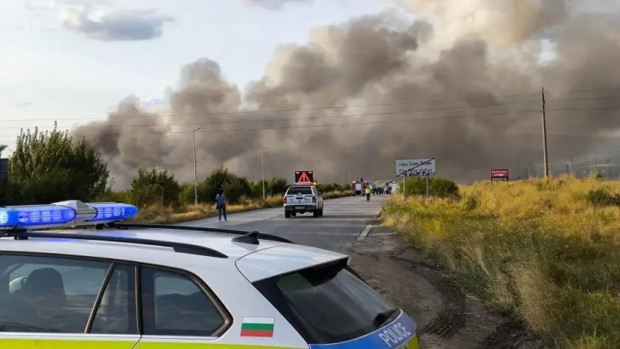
x=119 y=25
x=23 y=104
x=275 y=4
x=460 y=83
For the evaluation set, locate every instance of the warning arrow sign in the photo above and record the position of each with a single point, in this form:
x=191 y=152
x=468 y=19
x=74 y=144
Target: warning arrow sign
x=304 y=177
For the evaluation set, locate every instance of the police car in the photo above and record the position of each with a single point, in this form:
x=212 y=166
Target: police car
x=74 y=275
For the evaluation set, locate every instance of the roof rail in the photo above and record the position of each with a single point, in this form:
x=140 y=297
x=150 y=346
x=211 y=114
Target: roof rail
x=254 y=236
x=177 y=246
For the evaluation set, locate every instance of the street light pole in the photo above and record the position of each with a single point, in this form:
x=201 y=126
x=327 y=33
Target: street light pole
x=262 y=160
x=195 y=174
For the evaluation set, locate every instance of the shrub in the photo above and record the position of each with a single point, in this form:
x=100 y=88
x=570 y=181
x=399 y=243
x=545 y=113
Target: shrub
x=234 y=186
x=601 y=197
x=155 y=187
x=186 y=195
x=534 y=248
x=439 y=187
x=51 y=166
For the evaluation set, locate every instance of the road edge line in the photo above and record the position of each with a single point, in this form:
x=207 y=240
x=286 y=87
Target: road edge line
x=364 y=232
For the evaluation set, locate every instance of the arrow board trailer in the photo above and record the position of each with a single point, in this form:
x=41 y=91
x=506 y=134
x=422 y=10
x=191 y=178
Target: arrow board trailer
x=304 y=177
x=416 y=167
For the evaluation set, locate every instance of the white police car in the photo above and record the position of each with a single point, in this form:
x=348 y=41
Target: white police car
x=98 y=283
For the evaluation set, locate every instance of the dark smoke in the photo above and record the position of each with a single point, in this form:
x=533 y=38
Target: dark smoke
x=477 y=62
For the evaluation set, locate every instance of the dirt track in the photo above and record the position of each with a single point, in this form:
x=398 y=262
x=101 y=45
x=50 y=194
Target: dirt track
x=446 y=317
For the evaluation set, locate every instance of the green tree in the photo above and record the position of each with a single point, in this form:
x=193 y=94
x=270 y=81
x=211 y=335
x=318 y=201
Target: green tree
x=277 y=186
x=234 y=187
x=3 y=189
x=186 y=197
x=155 y=186
x=274 y=186
x=50 y=166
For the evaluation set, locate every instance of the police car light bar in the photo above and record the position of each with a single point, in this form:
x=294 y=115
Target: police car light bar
x=66 y=213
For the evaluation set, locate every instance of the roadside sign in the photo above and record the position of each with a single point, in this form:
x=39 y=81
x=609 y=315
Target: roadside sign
x=306 y=177
x=416 y=167
x=499 y=174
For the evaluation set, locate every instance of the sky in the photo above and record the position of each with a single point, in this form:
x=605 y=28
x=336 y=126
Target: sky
x=457 y=80
x=70 y=59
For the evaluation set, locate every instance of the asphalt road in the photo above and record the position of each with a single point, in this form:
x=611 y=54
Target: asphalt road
x=343 y=221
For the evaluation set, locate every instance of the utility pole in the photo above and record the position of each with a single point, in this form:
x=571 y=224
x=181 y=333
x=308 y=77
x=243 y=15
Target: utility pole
x=195 y=173
x=595 y=167
x=570 y=165
x=262 y=161
x=607 y=171
x=544 y=131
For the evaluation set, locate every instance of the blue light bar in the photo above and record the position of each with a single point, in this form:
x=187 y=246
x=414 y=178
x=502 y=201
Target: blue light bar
x=64 y=214
x=35 y=216
x=108 y=212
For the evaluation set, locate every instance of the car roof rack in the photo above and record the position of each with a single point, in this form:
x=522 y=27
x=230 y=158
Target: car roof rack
x=177 y=246
x=252 y=237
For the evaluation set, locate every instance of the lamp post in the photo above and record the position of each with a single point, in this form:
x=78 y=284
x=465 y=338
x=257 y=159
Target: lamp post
x=195 y=174
x=262 y=161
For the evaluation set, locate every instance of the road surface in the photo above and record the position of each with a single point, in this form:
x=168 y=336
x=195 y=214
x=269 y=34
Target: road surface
x=446 y=317
x=343 y=220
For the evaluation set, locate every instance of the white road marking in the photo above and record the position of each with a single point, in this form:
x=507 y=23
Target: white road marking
x=364 y=232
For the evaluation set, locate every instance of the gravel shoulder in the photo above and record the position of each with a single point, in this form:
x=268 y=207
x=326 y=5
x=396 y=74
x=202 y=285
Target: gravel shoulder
x=446 y=317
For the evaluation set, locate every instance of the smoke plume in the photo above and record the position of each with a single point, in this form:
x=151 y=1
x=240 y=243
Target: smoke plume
x=461 y=83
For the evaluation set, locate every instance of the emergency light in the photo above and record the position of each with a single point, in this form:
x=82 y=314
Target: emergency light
x=65 y=213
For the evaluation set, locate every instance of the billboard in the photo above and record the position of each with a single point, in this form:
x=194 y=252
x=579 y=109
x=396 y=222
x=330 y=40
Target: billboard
x=4 y=170
x=499 y=174
x=304 y=177
x=416 y=167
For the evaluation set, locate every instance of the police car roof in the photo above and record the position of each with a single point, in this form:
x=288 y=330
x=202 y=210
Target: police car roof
x=255 y=261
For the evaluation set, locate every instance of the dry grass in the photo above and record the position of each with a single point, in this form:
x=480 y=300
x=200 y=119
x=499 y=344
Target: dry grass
x=548 y=251
x=159 y=214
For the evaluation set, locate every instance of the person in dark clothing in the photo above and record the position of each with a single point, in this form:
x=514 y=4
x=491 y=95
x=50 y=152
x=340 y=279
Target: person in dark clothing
x=220 y=198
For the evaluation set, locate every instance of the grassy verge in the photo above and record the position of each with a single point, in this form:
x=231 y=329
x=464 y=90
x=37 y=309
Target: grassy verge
x=547 y=251
x=167 y=214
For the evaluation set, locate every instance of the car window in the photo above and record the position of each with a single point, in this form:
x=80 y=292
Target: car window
x=328 y=304
x=300 y=190
x=48 y=294
x=173 y=304
x=116 y=312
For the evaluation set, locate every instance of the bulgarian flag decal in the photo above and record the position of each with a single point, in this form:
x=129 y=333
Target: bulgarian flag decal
x=257 y=327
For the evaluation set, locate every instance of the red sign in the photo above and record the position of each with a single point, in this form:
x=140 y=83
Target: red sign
x=304 y=177
x=499 y=174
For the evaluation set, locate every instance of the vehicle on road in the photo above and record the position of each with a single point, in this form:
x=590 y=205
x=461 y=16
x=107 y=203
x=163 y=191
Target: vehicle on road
x=73 y=274
x=302 y=198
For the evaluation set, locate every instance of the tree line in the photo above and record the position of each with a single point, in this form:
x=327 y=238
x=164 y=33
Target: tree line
x=51 y=166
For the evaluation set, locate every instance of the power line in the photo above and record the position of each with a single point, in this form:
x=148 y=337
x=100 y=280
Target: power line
x=249 y=112
x=510 y=113
x=267 y=111
x=289 y=119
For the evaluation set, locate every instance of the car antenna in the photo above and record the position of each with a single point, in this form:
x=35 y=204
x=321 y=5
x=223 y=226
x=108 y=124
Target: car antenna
x=249 y=238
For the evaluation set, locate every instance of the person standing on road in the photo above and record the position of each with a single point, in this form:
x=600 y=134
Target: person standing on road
x=220 y=199
x=367 y=193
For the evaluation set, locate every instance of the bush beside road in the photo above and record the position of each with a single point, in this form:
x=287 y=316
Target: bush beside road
x=169 y=214
x=545 y=251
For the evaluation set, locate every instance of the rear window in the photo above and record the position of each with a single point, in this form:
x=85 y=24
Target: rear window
x=328 y=304
x=299 y=190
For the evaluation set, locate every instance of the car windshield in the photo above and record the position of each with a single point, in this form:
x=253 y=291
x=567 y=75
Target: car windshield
x=328 y=304
x=300 y=190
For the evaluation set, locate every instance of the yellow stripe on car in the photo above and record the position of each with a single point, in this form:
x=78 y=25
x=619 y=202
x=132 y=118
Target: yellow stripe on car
x=100 y=344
